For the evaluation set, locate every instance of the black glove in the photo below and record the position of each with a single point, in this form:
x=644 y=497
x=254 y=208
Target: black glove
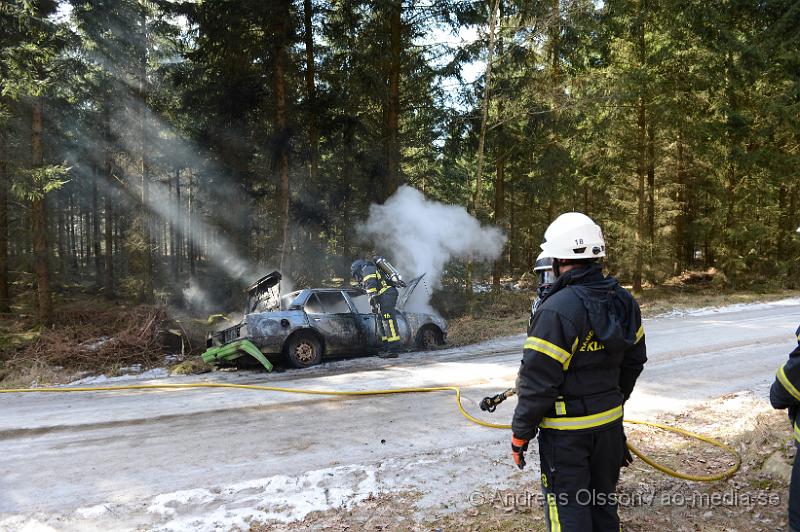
x=627 y=457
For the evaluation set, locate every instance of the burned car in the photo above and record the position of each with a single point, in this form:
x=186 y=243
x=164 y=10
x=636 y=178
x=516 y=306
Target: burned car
x=308 y=325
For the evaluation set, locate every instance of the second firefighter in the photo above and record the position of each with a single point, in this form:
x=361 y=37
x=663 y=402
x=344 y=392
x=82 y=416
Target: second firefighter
x=382 y=292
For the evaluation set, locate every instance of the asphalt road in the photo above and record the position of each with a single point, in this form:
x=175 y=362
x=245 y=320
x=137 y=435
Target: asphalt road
x=212 y=458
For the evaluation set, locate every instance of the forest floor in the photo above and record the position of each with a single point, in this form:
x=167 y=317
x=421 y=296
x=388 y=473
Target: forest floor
x=754 y=500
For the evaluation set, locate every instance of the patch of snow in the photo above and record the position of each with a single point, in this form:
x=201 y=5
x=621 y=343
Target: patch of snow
x=97 y=343
x=166 y=503
x=728 y=309
x=155 y=373
x=92 y=512
x=279 y=498
x=25 y=524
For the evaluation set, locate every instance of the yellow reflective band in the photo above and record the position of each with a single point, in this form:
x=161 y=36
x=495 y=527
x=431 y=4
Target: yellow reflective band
x=639 y=334
x=561 y=408
x=796 y=433
x=370 y=276
x=555 y=524
x=371 y=290
x=574 y=347
x=384 y=289
x=545 y=347
x=582 y=422
x=784 y=380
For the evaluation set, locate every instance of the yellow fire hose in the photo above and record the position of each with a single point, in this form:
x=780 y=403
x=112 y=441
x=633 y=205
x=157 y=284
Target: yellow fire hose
x=664 y=469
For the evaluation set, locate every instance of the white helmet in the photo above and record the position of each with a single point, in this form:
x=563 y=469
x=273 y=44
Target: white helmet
x=574 y=236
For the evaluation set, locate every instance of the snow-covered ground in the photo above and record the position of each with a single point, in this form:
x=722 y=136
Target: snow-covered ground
x=212 y=459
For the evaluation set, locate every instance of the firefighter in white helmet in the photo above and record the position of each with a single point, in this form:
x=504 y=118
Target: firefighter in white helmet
x=584 y=352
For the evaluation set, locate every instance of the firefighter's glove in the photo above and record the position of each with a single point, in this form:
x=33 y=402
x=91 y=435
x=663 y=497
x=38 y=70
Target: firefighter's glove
x=627 y=457
x=518 y=448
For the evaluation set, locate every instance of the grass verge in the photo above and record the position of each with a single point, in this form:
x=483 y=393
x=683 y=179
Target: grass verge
x=504 y=313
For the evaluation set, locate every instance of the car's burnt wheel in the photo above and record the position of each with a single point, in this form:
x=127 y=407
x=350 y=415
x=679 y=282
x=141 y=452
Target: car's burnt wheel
x=303 y=350
x=430 y=338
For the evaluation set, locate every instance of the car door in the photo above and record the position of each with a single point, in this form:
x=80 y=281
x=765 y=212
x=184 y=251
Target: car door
x=330 y=314
x=365 y=319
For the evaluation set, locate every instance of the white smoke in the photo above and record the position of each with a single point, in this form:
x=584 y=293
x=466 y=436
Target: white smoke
x=420 y=235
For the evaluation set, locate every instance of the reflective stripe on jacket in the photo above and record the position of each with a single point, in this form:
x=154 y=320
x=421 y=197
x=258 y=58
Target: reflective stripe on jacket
x=373 y=280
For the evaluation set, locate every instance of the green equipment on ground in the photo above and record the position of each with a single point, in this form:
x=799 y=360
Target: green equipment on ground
x=234 y=350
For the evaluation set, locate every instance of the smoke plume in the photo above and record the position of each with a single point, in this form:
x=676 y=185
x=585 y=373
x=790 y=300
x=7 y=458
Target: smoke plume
x=419 y=235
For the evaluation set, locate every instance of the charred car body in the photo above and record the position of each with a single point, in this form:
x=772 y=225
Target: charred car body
x=307 y=325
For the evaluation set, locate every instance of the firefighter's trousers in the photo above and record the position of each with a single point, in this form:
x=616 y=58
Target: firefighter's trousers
x=386 y=309
x=794 y=494
x=580 y=471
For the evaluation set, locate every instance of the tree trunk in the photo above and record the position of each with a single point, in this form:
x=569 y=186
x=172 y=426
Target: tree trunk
x=512 y=226
x=62 y=237
x=500 y=166
x=72 y=237
x=554 y=39
x=5 y=298
x=108 y=162
x=473 y=207
x=98 y=264
x=484 y=110
x=393 y=114
x=181 y=229
x=174 y=256
x=680 y=221
x=651 y=198
x=641 y=165
x=282 y=129
x=190 y=227
x=39 y=213
x=146 y=287
x=311 y=91
x=640 y=198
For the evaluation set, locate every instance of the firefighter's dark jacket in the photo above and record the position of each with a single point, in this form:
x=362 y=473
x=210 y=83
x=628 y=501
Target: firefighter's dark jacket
x=584 y=352
x=785 y=391
x=374 y=282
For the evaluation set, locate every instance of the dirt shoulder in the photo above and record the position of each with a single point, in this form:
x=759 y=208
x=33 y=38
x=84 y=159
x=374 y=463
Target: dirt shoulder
x=755 y=499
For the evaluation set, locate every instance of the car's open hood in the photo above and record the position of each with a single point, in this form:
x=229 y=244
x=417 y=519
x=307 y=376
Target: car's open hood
x=408 y=290
x=262 y=294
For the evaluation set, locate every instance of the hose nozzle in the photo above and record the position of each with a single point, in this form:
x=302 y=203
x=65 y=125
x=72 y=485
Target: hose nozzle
x=489 y=404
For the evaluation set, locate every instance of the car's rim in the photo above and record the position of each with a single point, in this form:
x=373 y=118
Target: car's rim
x=429 y=338
x=304 y=352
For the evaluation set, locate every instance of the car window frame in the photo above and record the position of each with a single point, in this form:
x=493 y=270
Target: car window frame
x=351 y=301
x=313 y=294
x=341 y=293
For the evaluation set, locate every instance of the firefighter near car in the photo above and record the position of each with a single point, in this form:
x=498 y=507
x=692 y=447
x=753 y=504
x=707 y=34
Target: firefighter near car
x=380 y=280
x=785 y=393
x=584 y=352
